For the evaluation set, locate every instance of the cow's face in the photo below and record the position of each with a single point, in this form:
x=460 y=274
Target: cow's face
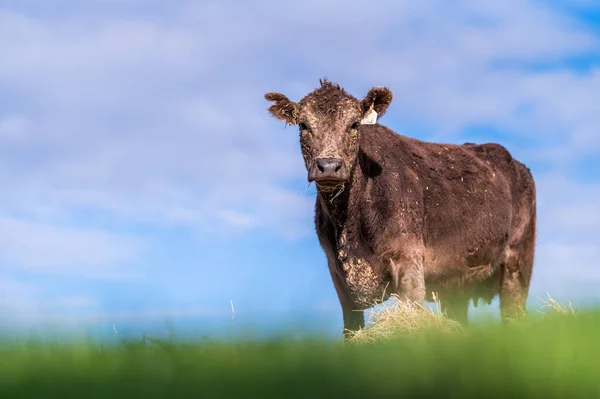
x=329 y=120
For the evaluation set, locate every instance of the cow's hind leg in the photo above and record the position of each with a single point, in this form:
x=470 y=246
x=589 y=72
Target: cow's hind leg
x=516 y=277
x=513 y=291
x=517 y=265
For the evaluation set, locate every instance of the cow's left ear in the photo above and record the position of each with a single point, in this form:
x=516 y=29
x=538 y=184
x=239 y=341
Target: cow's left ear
x=378 y=99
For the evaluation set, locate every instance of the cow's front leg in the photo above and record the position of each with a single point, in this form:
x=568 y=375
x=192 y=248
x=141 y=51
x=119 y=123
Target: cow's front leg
x=354 y=317
x=409 y=278
x=411 y=285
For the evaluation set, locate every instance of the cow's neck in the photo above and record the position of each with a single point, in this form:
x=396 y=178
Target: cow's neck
x=338 y=206
x=337 y=203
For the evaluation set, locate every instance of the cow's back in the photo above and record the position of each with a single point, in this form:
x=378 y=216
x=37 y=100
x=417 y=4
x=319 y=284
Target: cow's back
x=468 y=196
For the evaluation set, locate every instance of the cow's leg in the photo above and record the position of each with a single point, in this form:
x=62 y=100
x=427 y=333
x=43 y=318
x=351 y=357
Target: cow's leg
x=354 y=317
x=518 y=259
x=516 y=275
x=512 y=294
x=513 y=290
x=455 y=306
x=409 y=279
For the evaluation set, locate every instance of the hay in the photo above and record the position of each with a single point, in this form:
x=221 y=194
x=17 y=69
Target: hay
x=557 y=307
x=413 y=319
x=404 y=318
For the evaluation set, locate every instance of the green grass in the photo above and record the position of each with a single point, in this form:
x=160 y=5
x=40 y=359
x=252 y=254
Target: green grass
x=556 y=356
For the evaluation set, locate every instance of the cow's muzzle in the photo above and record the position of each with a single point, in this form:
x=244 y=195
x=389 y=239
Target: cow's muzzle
x=328 y=171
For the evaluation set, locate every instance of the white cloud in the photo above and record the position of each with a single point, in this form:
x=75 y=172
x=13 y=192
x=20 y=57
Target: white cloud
x=567 y=271
x=235 y=219
x=79 y=251
x=569 y=209
x=567 y=245
x=27 y=304
x=157 y=314
x=11 y=289
x=24 y=302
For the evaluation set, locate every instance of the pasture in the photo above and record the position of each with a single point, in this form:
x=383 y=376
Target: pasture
x=552 y=356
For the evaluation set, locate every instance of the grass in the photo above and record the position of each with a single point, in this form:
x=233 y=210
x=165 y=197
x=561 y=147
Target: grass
x=554 y=355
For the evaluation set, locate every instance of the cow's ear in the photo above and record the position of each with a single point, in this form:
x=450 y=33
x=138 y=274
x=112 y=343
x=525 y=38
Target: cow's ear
x=283 y=108
x=378 y=99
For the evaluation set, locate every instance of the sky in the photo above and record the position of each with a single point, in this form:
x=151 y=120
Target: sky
x=143 y=179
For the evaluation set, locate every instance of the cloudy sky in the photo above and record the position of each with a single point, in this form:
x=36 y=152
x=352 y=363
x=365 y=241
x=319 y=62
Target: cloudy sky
x=142 y=176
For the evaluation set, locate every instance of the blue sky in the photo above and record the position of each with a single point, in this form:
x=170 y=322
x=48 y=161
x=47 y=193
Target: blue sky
x=143 y=178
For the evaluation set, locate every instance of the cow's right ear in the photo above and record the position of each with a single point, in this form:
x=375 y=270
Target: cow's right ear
x=283 y=108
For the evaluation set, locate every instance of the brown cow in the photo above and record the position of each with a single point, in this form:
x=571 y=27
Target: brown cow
x=398 y=215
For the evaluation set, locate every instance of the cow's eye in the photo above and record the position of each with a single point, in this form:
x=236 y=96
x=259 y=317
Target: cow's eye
x=354 y=126
x=303 y=126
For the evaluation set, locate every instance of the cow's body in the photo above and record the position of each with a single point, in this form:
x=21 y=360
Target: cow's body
x=464 y=215
x=396 y=215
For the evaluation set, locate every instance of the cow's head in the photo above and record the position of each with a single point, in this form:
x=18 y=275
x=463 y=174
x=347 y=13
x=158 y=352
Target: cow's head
x=329 y=120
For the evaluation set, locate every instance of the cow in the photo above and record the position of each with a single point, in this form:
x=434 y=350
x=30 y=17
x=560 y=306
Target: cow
x=397 y=215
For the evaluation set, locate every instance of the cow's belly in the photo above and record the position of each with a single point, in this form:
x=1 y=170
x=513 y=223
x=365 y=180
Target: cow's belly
x=462 y=263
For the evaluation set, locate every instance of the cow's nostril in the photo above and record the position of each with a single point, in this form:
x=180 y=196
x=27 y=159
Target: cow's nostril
x=328 y=168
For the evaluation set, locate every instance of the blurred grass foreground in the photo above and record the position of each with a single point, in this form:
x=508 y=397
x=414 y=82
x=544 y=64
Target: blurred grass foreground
x=408 y=352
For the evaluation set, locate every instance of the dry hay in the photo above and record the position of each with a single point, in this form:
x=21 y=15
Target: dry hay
x=557 y=307
x=405 y=318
